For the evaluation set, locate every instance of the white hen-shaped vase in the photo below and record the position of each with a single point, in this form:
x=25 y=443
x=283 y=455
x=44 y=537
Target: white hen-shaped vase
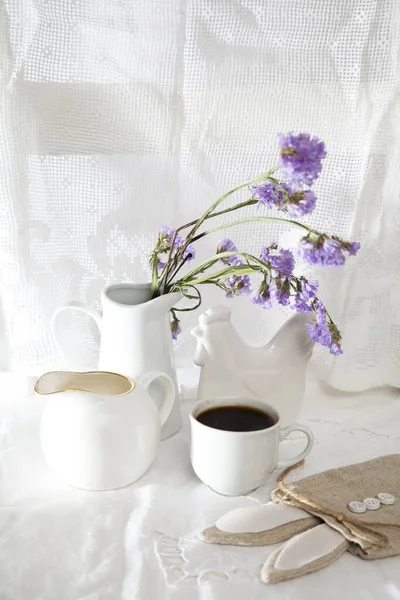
x=275 y=373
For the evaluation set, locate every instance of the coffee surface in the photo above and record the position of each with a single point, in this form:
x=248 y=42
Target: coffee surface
x=236 y=418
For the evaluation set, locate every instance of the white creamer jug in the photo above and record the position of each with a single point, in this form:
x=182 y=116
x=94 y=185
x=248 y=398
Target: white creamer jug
x=101 y=430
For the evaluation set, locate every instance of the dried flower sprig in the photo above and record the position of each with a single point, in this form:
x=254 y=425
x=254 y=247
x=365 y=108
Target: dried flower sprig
x=230 y=270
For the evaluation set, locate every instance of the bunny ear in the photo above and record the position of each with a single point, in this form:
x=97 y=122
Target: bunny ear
x=305 y=553
x=259 y=525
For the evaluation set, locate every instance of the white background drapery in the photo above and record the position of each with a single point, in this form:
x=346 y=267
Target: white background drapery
x=118 y=117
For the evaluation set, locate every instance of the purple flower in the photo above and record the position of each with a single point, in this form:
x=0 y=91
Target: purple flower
x=326 y=251
x=281 y=290
x=296 y=202
x=306 y=293
x=300 y=203
x=165 y=238
x=353 y=248
x=262 y=296
x=282 y=298
x=309 y=289
x=319 y=333
x=326 y=334
x=265 y=256
x=269 y=194
x=167 y=235
x=300 y=305
x=283 y=262
x=335 y=349
x=301 y=157
x=320 y=313
x=175 y=328
x=189 y=253
x=238 y=285
x=226 y=245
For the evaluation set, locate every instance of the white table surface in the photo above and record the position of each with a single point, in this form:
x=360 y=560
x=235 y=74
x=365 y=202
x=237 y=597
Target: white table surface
x=140 y=543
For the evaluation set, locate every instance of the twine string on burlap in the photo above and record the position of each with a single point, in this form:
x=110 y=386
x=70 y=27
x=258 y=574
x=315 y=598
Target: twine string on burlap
x=359 y=529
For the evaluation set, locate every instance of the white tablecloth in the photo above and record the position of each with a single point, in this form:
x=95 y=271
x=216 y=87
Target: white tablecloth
x=58 y=543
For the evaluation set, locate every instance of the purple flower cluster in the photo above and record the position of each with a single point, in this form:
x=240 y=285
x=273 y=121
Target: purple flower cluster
x=164 y=242
x=301 y=161
x=283 y=262
x=281 y=285
x=226 y=245
x=300 y=203
x=305 y=295
x=324 y=333
x=295 y=202
x=281 y=290
x=175 y=327
x=270 y=194
x=238 y=285
x=326 y=251
x=301 y=157
x=262 y=296
x=167 y=235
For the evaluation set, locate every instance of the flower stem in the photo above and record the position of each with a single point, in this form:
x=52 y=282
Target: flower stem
x=249 y=202
x=254 y=220
x=190 y=278
x=236 y=270
x=154 y=276
x=208 y=214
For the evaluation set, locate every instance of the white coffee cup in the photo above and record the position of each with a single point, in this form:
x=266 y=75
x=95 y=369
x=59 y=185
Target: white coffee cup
x=233 y=463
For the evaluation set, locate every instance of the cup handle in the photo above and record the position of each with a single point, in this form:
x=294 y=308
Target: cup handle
x=57 y=332
x=169 y=388
x=282 y=464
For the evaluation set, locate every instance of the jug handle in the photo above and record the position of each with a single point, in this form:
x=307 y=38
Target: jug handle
x=57 y=332
x=169 y=388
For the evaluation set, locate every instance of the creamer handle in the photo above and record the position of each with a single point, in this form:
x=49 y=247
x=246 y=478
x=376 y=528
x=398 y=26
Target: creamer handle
x=169 y=391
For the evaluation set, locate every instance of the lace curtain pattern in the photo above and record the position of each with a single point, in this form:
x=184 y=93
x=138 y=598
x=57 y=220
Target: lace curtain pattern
x=117 y=118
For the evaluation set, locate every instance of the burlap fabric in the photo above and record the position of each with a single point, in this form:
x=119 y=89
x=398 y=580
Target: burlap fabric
x=374 y=534
x=213 y=535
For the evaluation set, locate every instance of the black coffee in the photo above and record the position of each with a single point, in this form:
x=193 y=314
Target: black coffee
x=236 y=418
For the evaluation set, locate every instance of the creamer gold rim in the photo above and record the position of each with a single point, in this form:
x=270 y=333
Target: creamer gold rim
x=81 y=389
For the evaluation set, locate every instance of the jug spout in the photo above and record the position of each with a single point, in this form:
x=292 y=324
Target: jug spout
x=96 y=382
x=135 y=296
x=164 y=303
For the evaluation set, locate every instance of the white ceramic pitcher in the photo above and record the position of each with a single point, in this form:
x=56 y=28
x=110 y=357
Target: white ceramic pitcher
x=135 y=338
x=100 y=430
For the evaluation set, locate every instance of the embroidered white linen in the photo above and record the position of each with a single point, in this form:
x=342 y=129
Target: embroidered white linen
x=140 y=542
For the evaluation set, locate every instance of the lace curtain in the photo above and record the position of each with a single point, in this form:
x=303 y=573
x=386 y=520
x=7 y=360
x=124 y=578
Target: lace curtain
x=118 y=117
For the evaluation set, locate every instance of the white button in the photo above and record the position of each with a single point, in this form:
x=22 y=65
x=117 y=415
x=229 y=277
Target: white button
x=386 y=498
x=372 y=503
x=357 y=507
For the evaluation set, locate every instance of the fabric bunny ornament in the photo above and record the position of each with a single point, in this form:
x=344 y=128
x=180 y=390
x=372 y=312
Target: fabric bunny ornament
x=313 y=515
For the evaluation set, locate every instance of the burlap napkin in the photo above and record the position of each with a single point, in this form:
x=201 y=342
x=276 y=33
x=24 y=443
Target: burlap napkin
x=374 y=534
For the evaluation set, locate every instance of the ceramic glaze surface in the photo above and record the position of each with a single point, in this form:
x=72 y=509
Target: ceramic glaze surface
x=99 y=430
